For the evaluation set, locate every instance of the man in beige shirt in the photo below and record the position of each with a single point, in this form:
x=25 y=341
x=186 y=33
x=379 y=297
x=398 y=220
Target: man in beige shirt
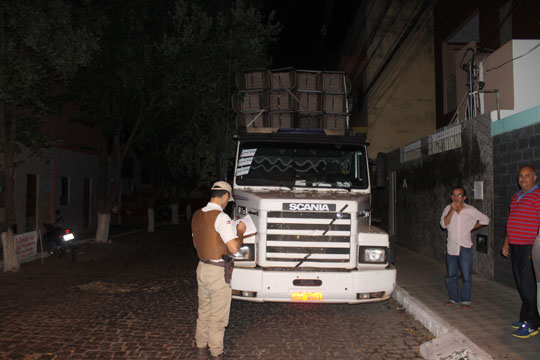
x=214 y=238
x=460 y=219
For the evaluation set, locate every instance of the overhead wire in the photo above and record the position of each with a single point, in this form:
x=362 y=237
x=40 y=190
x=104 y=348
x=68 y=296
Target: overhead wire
x=406 y=53
x=321 y=39
x=511 y=60
x=372 y=33
x=389 y=55
x=397 y=44
x=391 y=77
x=444 y=11
x=382 y=93
x=381 y=39
x=397 y=71
x=493 y=37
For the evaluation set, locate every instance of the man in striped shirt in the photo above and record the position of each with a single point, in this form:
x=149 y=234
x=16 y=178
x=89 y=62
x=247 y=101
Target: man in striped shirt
x=521 y=230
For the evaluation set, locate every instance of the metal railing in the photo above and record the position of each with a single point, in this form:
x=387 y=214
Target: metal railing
x=411 y=151
x=448 y=138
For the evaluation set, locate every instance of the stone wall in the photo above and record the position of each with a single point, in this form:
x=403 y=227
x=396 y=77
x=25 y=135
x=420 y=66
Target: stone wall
x=511 y=150
x=423 y=189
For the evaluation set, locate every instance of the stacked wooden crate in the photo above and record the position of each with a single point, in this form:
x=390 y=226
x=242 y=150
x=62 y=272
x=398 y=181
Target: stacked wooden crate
x=251 y=101
x=282 y=104
x=334 y=88
x=309 y=99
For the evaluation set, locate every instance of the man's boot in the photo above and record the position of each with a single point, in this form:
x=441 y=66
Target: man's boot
x=202 y=353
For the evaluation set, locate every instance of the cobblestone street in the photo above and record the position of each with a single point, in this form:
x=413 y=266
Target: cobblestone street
x=136 y=299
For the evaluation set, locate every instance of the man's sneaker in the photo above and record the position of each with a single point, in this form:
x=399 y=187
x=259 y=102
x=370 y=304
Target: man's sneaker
x=517 y=324
x=525 y=331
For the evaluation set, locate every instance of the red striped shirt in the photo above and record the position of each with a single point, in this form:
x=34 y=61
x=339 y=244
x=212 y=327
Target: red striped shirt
x=524 y=218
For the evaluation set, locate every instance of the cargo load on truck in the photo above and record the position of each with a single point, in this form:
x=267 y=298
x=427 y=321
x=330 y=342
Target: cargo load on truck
x=286 y=98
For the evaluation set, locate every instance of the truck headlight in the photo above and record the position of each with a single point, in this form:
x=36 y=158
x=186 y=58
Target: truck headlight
x=245 y=253
x=372 y=255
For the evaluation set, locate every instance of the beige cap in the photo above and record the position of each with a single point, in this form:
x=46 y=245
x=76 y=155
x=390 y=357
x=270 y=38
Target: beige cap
x=222 y=185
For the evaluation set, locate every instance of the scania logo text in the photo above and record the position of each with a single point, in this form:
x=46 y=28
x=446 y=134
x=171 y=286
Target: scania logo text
x=309 y=207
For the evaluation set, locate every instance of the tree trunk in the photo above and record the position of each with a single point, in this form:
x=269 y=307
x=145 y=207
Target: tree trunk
x=11 y=262
x=150 y=208
x=174 y=214
x=102 y=232
x=151 y=223
x=188 y=205
x=107 y=193
x=8 y=143
x=103 y=214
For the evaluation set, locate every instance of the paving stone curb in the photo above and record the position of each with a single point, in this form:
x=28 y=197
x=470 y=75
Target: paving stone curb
x=448 y=339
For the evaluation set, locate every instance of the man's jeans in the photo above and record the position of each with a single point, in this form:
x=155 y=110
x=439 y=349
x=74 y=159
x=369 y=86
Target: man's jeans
x=463 y=261
x=525 y=283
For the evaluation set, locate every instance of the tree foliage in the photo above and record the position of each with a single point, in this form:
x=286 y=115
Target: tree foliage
x=209 y=48
x=42 y=44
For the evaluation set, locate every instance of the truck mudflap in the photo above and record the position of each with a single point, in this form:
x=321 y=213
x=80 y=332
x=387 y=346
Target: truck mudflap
x=351 y=287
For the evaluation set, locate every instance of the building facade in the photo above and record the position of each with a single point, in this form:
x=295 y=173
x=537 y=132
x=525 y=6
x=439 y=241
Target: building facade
x=487 y=115
x=389 y=57
x=61 y=181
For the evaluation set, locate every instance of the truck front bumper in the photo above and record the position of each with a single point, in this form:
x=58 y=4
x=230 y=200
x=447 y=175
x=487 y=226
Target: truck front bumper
x=352 y=287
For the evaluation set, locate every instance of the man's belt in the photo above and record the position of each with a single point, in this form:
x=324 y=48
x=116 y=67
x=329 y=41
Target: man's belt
x=227 y=264
x=216 y=263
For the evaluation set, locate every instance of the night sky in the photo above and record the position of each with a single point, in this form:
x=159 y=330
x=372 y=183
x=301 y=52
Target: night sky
x=301 y=43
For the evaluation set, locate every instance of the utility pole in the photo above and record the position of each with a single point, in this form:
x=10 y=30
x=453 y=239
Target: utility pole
x=470 y=86
x=469 y=67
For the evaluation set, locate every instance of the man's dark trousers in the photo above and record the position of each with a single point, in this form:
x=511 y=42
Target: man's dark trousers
x=526 y=283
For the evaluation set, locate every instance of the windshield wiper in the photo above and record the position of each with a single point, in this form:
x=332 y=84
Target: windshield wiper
x=324 y=233
x=334 y=219
x=301 y=262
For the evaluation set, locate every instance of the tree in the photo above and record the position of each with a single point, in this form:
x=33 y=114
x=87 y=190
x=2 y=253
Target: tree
x=120 y=91
x=166 y=65
x=204 y=48
x=150 y=151
x=209 y=48
x=42 y=43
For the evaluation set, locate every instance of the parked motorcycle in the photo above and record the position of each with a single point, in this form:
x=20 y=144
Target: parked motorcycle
x=59 y=240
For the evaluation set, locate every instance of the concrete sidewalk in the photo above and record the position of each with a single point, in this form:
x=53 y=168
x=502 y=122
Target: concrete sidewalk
x=484 y=329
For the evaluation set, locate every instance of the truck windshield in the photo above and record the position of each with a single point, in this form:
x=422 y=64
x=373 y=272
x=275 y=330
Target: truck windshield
x=302 y=165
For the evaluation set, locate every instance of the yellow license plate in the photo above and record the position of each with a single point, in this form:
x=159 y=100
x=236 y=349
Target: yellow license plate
x=306 y=296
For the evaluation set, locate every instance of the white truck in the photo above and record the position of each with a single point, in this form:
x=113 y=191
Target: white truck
x=309 y=197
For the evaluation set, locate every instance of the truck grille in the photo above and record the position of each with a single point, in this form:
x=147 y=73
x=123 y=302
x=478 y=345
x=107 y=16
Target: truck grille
x=301 y=238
